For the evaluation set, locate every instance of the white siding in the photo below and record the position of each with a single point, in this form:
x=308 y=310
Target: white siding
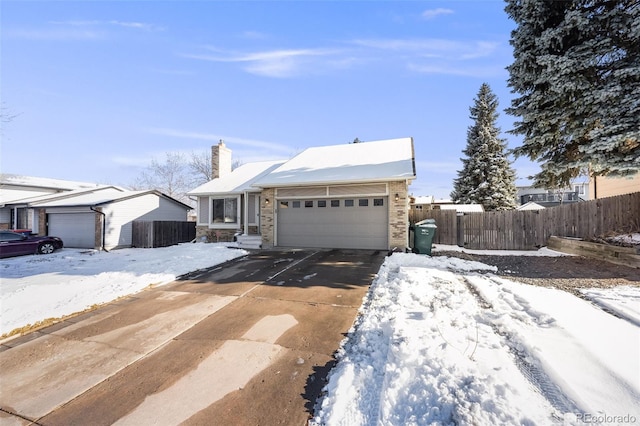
x=119 y=216
x=5 y=215
x=203 y=210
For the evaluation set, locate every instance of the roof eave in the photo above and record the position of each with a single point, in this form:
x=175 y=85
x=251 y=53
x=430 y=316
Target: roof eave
x=334 y=182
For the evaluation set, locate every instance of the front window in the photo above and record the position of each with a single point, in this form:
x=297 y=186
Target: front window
x=224 y=211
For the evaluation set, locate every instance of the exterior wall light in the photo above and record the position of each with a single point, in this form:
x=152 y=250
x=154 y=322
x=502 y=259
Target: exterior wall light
x=397 y=197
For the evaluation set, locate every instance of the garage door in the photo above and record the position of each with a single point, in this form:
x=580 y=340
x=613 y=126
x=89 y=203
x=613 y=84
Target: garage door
x=359 y=223
x=77 y=230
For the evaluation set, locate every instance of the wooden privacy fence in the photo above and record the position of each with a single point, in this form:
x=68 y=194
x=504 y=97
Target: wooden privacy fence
x=161 y=233
x=531 y=229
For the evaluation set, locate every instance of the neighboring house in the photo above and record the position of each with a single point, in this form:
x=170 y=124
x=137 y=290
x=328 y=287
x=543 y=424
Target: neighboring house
x=603 y=186
x=530 y=206
x=16 y=189
x=97 y=217
x=340 y=196
x=421 y=203
x=462 y=208
x=579 y=191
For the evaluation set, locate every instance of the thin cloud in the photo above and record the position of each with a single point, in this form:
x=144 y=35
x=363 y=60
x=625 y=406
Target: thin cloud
x=55 y=34
x=452 y=49
x=213 y=137
x=115 y=23
x=460 y=70
x=432 y=13
x=286 y=63
x=271 y=63
x=76 y=30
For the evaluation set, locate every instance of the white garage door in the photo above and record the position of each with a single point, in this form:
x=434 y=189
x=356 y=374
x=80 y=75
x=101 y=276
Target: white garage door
x=358 y=223
x=77 y=230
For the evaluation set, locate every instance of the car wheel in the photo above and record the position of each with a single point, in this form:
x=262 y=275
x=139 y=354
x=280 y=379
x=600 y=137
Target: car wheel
x=46 y=248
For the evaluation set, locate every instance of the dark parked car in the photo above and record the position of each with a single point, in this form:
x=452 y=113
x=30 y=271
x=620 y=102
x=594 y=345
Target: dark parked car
x=15 y=244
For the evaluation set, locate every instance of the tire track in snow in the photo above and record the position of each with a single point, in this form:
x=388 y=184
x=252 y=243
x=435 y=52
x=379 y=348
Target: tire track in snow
x=532 y=372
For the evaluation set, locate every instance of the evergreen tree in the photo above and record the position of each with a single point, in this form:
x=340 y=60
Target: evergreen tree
x=577 y=73
x=486 y=177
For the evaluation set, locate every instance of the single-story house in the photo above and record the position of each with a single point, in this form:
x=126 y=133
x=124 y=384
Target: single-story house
x=421 y=202
x=16 y=190
x=462 y=208
x=531 y=205
x=340 y=196
x=94 y=217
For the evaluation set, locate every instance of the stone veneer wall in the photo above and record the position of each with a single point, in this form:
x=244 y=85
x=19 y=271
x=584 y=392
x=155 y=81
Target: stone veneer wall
x=97 y=230
x=42 y=222
x=398 y=215
x=215 y=235
x=267 y=217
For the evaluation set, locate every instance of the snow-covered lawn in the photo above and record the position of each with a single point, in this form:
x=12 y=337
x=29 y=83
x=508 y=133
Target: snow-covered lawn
x=439 y=340
x=444 y=341
x=38 y=287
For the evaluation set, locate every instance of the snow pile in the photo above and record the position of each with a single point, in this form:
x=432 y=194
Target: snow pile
x=439 y=344
x=35 y=288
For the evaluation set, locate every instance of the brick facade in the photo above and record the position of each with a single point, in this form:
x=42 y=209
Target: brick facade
x=267 y=217
x=398 y=215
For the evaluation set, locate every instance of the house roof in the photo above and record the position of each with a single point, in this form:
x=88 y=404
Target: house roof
x=428 y=199
x=463 y=208
x=386 y=160
x=43 y=183
x=95 y=197
x=239 y=180
x=19 y=189
x=530 y=206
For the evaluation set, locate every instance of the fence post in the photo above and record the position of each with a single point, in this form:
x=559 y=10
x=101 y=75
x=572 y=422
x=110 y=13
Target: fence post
x=460 y=229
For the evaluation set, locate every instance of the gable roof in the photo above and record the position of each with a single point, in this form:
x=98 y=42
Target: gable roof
x=374 y=161
x=19 y=189
x=530 y=206
x=239 y=180
x=95 y=197
x=463 y=208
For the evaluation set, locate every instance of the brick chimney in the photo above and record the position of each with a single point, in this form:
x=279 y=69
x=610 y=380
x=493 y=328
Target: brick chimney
x=220 y=160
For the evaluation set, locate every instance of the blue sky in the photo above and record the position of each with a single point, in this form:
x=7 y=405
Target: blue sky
x=101 y=88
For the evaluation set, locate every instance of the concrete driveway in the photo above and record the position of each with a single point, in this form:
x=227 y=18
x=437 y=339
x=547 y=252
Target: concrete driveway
x=248 y=342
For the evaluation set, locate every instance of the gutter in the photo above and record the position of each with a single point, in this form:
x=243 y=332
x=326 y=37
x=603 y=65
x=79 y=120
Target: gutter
x=104 y=226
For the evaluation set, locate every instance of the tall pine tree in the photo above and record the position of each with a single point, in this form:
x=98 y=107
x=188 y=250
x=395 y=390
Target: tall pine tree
x=486 y=177
x=576 y=70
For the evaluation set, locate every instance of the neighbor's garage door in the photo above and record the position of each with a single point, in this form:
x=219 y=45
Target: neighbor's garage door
x=359 y=223
x=76 y=229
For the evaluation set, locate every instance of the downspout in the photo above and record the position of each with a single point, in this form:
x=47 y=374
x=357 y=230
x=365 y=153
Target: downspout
x=104 y=226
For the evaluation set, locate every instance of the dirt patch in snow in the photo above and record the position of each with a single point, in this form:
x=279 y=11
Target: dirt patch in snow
x=568 y=273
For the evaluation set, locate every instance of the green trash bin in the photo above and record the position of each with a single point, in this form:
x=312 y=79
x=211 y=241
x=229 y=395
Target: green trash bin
x=423 y=234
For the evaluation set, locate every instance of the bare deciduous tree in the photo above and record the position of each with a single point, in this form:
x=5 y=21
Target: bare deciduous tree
x=169 y=176
x=177 y=175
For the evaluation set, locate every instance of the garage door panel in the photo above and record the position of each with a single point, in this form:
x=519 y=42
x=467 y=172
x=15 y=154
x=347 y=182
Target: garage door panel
x=333 y=227
x=77 y=230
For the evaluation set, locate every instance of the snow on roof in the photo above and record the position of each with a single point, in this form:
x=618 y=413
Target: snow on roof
x=424 y=200
x=94 y=197
x=81 y=197
x=38 y=182
x=239 y=180
x=530 y=206
x=391 y=159
x=463 y=208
